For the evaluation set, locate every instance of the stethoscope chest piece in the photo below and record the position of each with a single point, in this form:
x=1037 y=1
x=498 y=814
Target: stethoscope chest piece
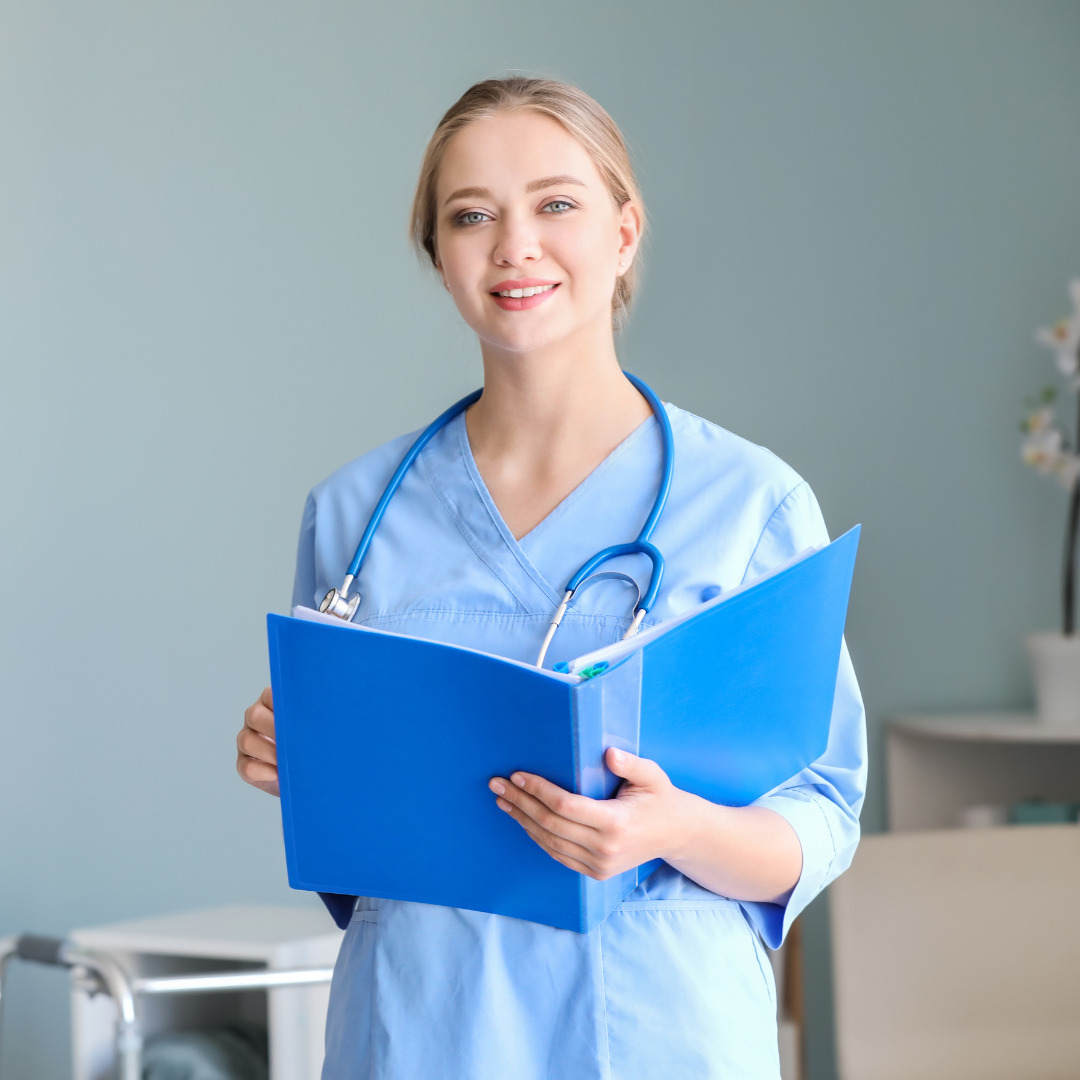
x=340 y=603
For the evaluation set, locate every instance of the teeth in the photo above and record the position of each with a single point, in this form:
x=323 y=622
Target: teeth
x=532 y=291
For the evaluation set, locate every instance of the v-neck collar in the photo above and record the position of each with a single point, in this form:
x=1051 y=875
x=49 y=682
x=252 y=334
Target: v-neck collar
x=516 y=547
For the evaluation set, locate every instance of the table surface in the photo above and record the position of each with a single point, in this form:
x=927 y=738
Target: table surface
x=1010 y=727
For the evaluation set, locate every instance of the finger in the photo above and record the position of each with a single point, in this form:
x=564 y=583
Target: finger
x=638 y=770
x=551 y=842
x=254 y=745
x=259 y=718
x=255 y=771
x=543 y=815
x=573 y=864
x=587 y=864
x=267 y=698
x=537 y=816
x=579 y=808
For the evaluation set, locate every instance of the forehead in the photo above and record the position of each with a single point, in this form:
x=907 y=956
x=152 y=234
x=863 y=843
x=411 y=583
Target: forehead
x=504 y=152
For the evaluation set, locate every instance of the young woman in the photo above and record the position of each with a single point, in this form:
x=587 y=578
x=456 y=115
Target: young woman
x=528 y=209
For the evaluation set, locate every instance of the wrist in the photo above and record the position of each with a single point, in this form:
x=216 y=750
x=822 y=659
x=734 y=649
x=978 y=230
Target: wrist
x=690 y=822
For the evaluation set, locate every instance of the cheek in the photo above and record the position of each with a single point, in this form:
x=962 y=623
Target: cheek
x=599 y=246
x=464 y=286
x=459 y=278
x=594 y=254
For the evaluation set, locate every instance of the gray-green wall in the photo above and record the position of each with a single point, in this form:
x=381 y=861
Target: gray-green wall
x=861 y=211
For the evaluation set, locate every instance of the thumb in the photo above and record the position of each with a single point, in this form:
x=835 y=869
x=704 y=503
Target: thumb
x=637 y=770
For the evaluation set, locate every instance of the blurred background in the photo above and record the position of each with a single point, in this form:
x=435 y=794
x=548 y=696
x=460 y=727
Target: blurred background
x=860 y=213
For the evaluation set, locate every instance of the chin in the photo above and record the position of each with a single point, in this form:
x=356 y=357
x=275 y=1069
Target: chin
x=532 y=344
x=525 y=341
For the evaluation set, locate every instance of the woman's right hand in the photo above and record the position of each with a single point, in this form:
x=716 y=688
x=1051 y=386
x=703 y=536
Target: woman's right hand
x=256 y=759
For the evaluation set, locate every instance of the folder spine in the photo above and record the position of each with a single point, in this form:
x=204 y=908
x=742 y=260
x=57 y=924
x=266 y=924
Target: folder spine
x=606 y=712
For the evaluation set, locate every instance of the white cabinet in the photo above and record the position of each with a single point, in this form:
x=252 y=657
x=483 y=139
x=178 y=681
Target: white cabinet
x=224 y=939
x=937 y=765
x=954 y=949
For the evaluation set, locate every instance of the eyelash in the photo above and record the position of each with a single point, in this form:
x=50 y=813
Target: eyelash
x=465 y=213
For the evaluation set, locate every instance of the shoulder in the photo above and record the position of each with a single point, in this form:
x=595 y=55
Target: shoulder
x=357 y=478
x=779 y=511
x=706 y=451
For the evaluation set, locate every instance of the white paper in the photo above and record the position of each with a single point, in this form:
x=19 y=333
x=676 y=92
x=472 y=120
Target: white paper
x=311 y=615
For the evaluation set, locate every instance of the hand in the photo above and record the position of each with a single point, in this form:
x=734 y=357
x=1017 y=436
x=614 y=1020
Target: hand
x=600 y=838
x=256 y=759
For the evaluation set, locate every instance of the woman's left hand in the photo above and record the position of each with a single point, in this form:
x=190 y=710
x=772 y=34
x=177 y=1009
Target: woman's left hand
x=647 y=819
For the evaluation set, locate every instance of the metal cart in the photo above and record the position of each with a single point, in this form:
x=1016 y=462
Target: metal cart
x=136 y=999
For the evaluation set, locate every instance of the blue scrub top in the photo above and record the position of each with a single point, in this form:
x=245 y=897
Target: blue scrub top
x=676 y=982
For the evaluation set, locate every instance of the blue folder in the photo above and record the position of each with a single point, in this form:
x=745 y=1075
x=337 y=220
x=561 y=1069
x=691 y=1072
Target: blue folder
x=386 y=742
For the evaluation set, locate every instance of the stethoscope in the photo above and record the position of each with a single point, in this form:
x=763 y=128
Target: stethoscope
x=338 y=602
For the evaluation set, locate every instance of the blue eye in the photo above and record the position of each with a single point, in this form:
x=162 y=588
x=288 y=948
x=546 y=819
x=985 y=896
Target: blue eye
x=460 y=219
x=560 y=202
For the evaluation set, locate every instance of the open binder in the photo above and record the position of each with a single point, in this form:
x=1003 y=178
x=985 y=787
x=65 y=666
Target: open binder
x=386 y=742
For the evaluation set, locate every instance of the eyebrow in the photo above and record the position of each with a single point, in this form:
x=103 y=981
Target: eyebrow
x=533 y=185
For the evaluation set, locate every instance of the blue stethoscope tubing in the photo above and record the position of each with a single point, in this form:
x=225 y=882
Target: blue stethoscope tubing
x=338 y=602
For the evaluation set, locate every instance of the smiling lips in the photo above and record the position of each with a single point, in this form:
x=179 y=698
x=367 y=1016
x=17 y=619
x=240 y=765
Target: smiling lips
x=519 y=295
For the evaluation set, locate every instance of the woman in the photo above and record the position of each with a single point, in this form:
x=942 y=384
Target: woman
x=528 y=209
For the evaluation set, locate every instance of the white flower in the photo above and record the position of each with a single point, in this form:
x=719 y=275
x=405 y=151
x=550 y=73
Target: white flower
x=1043 y=445
x=1042 y=449
x=1039 y=421
x=1064 y=336
x=1067 y=470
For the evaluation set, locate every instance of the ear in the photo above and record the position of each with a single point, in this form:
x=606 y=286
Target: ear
x=438 y=266
x=629 y=235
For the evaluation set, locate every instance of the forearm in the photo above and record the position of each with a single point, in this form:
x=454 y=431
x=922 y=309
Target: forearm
x=743 y=852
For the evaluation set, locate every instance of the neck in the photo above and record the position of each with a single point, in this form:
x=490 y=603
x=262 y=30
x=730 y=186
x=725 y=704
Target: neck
x=546 y=420
x=542 y=407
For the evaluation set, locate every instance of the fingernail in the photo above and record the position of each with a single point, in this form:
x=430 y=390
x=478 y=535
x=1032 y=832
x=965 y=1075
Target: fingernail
x=502 y=805
x=616 y=755
x=497 y=787
x=518 y=779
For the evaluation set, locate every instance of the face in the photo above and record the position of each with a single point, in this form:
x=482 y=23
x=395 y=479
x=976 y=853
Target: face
x=521 y=205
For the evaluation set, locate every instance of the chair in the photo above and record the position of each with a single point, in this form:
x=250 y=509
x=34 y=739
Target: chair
x=956 y=954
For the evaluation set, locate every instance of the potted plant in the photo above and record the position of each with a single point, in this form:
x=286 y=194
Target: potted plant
x=1055 y=657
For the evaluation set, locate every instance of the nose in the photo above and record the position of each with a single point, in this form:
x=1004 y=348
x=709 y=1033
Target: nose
x=516 y=240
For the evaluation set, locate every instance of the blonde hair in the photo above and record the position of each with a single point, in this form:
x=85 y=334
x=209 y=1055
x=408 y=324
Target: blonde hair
x=582 y=117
